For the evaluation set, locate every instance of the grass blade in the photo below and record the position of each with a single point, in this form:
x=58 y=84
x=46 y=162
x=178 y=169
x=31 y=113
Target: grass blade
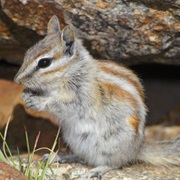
x=27 y=143
x=8 y=149
x=20 y=161
x=50 y=155
x=37 y=170
x=2 y=157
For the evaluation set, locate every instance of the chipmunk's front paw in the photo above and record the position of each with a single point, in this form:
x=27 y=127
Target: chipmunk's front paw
x=33 y=101
x=30 y=100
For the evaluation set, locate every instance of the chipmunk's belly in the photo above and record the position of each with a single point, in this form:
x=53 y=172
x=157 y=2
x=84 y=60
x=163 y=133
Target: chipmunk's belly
x=100 y=146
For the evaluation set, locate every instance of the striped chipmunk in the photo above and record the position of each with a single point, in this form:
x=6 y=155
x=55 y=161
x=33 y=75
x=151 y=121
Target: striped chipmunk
x=98 y=104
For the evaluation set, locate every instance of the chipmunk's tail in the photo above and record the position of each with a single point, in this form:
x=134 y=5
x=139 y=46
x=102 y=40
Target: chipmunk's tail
x=165 y=153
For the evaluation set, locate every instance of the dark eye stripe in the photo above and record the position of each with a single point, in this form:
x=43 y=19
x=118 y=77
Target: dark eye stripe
x=44 y=63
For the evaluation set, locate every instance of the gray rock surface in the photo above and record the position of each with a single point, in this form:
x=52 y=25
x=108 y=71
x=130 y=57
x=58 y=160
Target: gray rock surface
x=134 y=172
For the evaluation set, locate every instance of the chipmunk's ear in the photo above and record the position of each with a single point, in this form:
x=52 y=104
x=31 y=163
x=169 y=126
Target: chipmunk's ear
x=53 y=25
x=68 y=38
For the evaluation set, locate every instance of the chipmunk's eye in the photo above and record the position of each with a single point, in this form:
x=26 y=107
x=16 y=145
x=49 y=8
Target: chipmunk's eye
x=44 y=63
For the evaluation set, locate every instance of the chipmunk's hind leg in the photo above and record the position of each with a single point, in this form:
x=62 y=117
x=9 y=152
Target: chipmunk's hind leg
x=96 y=172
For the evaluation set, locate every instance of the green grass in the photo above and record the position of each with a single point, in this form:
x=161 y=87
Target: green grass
x=43 y=166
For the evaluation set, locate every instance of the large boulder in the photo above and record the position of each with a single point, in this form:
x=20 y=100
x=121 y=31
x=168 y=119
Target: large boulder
x=125 y=31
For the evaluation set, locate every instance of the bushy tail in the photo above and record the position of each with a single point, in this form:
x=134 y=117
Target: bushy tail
x=165 y=153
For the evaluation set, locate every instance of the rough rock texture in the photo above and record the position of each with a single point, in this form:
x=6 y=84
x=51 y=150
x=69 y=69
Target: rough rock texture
x=134 y=172
x=125 y=30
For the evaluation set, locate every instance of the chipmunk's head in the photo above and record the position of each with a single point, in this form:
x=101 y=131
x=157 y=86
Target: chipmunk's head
x=49 y=58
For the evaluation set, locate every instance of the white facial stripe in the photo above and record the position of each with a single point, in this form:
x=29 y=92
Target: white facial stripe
x=50 y=54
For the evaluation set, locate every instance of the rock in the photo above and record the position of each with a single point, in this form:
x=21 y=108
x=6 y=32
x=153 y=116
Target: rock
x=14 y=40
x=9 y=173
x=133 y=172
x=125 y=31
x=9 y=93
x=19 y=33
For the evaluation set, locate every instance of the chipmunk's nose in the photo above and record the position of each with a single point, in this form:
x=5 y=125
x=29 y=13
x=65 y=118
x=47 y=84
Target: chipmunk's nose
x=17 y=79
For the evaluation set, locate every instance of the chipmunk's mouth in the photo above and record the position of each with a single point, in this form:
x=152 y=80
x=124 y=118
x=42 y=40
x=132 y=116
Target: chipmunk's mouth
x=36 y=92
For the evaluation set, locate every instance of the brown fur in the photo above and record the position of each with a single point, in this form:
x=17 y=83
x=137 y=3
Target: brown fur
x=134 y=122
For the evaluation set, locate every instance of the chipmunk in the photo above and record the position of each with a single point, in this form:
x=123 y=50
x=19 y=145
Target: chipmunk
x=98 y=104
